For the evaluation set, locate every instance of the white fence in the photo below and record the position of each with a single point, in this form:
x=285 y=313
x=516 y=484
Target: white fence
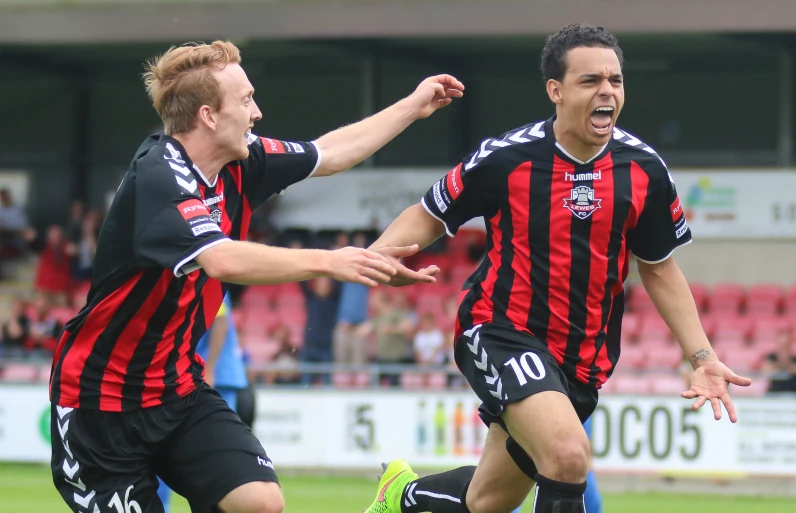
x=359 y=429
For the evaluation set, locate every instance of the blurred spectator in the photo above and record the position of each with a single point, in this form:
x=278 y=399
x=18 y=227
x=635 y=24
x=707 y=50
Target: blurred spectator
x=74 y=225
x=53 y=276
x=13 y=225
x=781 y=365
x=83 y=245
x=44 y=327
x=284 y=360
x=323 y=302
x=341 y=241
x=16 y=329
x=429 y=343
x=393 y=328
x=350 y=347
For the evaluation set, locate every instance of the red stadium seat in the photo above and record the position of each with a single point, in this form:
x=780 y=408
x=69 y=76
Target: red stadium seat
x=633 y=356
x=260 y=295
x=44 y=373
x=789 y=308
x=20 y=372
x=764 y=347
x=640 y=301
x=758 y=388
x=727 y=298
x=258 y=349
x=437 y=380
x=767 y=327
x=361 y=380
x=667 y=384
x=461 y=272
x=411 y=380
x=764 y=299
x=342 y=379
x=631 y=384
x=653 y=329
x=730 y=328
x=740 y=357
x=668 y=356
x=700 y=292
x=630 y=326
x=63 y=314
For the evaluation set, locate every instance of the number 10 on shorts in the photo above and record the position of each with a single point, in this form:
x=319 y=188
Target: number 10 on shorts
x=529 y=365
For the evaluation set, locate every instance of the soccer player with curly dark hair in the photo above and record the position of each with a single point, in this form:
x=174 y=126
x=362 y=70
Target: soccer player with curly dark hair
x=566 y=202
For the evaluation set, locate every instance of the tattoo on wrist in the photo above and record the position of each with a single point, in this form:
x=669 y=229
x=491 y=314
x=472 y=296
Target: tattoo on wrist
x=702 y=354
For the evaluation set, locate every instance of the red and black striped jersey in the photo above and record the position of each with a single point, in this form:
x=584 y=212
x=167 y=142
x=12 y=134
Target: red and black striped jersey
x=559 y=237
x=133 y=343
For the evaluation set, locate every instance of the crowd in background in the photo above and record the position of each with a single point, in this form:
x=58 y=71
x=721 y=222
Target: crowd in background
x=343 y=324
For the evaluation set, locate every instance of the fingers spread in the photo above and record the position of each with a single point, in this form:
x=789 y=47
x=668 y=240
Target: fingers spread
x=699 y=402
x=728 y=404
x=714 y=401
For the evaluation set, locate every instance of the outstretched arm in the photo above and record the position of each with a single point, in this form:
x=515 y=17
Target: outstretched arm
x=417 y=229
x=350 y=145
x=669 y=292
x=247 y=263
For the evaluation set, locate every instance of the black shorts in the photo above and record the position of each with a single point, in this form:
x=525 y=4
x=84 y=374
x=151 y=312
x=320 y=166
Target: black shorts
x=504 y=365
x=107 y=461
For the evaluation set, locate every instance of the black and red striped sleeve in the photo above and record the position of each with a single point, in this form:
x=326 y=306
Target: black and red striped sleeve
x=662 y=226
x=172 y=225
x=464 y=193
x=273 y=165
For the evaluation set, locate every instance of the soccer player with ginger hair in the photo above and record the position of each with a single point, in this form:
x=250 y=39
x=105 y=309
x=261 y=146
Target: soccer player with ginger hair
x=129 y=402
x=566 y=201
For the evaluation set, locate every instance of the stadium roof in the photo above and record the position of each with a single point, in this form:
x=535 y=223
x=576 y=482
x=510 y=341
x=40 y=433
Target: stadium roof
x=101 y=21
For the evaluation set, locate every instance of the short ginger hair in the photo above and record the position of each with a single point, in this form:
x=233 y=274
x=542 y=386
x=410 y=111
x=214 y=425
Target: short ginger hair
x=181 y=80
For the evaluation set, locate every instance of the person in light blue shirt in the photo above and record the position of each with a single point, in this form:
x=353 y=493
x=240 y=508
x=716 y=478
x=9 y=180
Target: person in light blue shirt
x=225 y=369
x=591 y=498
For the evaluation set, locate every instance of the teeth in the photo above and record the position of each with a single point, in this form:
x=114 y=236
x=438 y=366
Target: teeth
x=605 y=109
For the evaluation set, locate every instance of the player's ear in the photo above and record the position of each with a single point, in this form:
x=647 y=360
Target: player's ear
x=207 y=117
x=554 y=91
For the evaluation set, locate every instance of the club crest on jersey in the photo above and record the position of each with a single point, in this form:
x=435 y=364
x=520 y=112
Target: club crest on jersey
x=582 y=202
x=215 y=214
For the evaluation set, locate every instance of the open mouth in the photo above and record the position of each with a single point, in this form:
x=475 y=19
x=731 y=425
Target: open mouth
x=601 y=119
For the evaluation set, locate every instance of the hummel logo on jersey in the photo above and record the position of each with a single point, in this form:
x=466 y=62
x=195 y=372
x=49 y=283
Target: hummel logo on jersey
x=582 y=202
x=265 y=462
x=583 y=177
x=214 y=199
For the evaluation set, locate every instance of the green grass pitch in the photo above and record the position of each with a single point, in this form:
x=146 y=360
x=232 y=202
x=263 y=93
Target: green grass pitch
x=29 y=489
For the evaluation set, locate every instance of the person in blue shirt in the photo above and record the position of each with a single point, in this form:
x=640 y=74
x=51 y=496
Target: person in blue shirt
x=591 y=497
x=225 y=369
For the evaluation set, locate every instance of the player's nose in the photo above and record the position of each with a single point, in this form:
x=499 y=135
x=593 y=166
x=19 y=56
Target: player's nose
x=257 y=115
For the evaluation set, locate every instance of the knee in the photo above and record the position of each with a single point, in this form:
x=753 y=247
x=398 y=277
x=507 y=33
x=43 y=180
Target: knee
x=567 y=460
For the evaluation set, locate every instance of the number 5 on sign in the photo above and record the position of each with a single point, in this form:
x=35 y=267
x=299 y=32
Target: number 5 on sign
x=128 y=506
x=524 y=367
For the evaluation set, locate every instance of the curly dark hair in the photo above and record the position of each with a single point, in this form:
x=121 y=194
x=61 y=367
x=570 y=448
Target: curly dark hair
x=554 y=65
